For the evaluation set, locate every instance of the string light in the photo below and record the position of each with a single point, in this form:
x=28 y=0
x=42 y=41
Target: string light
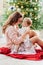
x=27 y=9
x=18 y=3
x=16 y=6
x=30 y=0
x=35 y=8
x=30 y=14
x=25 y=0
x=36 y=0
x=35 y=18
x=23 y=12
x=21 y=6
x=18 y=9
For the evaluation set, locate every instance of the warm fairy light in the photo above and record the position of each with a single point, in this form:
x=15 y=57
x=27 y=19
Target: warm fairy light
x=36 y=0
x=30 y=0
x=31 y=14
x=16 y=6
x=35 y=8
x=27 y=9
x=23 y=12
x=18 y=9
x=18 y=3
x=21 y=6
x=35 y=18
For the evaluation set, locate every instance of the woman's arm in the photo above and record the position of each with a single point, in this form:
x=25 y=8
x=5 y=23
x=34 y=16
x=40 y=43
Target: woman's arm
x=13 y=36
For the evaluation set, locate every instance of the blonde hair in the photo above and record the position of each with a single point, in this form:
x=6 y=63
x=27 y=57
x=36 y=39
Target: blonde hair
x=28 y=20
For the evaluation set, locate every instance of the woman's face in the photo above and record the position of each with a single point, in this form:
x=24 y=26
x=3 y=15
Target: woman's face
x=19 y=21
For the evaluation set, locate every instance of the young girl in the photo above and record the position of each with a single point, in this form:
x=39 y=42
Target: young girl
x=27 y=22
x=32 y=34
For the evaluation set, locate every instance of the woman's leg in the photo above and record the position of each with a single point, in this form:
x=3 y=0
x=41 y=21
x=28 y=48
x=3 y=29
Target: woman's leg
x=37 y=40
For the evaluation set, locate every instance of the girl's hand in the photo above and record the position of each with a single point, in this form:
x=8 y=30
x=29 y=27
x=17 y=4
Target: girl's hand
x=25 y=34
x=27 y=30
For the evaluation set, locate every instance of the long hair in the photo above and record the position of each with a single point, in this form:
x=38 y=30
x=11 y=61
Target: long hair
x=13 y=18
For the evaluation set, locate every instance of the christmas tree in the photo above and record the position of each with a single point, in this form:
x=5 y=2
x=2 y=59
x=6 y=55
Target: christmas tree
x=29 y=8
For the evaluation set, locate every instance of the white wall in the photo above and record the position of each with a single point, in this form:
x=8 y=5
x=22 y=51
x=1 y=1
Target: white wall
x=1 y=7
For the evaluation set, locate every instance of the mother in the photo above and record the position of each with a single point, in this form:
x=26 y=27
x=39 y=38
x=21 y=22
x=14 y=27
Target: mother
x=10 y=29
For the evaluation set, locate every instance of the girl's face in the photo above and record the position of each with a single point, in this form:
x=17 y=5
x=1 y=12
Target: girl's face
x=25 y=24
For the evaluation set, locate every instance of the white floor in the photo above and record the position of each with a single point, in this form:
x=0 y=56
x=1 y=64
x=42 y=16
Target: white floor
x=5 y=60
